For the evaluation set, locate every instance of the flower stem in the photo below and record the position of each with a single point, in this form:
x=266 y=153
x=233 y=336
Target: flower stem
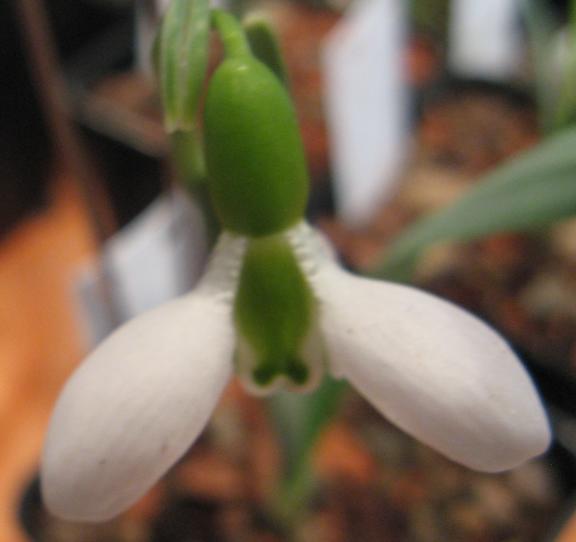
x=231 y=33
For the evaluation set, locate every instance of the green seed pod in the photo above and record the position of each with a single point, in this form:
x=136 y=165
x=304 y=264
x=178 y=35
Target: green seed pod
x=255 y=160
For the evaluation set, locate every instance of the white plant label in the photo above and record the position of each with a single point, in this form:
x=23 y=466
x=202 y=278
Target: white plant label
x=366 y=98
x=485 y=38
x=156 y=257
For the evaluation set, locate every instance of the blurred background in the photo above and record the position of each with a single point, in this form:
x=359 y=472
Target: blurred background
x=405 y=106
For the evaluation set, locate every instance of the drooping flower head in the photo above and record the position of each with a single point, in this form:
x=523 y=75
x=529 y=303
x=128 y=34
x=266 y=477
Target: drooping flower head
x=275 y=307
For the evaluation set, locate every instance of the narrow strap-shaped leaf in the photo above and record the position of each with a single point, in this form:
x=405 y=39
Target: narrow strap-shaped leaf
x=300 y=421
x=541 y=28
x=531 y=191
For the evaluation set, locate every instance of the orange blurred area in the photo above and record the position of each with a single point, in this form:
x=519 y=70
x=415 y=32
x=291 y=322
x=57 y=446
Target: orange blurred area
x=40 y=341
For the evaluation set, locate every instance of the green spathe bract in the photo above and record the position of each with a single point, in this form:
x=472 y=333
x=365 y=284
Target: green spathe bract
x=264 y=44
x=255 y=160
x=274 y=310
x=181 y=57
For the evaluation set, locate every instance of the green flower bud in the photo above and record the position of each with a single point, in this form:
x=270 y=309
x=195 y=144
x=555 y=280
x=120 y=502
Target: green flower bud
x=254 y=155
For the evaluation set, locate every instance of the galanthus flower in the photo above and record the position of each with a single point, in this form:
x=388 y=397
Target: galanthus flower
x=275 y=307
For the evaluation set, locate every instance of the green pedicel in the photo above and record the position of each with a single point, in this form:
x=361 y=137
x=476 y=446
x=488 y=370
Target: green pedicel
x=274 y=310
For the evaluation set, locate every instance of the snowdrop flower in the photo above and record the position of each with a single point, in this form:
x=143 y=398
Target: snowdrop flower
x=275 y=307
x=140 y=400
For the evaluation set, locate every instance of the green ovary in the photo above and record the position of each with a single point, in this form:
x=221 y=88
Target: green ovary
x=274 y=310
x=255 y=159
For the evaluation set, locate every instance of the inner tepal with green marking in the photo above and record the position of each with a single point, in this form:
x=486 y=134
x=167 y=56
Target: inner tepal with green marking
x=274 y=311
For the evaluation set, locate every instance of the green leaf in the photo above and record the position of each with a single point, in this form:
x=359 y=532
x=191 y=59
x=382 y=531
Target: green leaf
x=300 y=421
x=303 y=418
x=541 y=31
x=531 y=191
x=182 y=60
x=567 y=100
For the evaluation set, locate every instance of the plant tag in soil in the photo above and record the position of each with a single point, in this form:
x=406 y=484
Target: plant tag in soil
x=156 y=257
x=366 y=104
x=486 y=39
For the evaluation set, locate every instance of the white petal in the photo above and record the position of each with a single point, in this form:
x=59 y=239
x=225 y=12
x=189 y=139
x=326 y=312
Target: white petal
x=139 y=401
x=134 y=407
x=433 y=369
